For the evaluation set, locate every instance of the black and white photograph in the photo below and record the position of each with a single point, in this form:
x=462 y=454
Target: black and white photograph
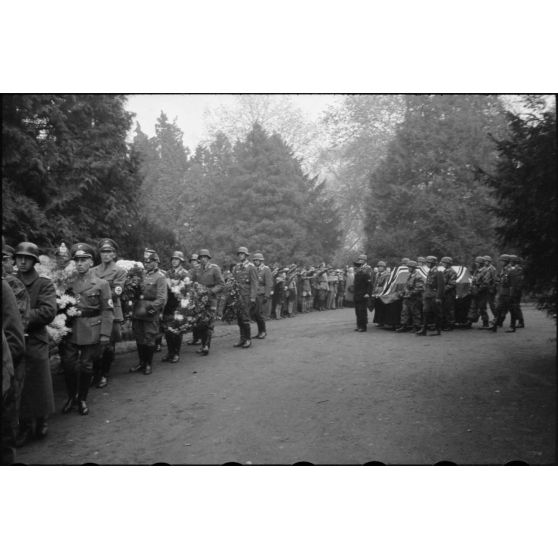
x=274 y=279
x=279 y=279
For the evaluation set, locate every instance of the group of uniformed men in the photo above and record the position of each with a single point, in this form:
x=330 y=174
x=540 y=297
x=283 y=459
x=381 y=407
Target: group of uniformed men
x=431 y=301
x=29 y=305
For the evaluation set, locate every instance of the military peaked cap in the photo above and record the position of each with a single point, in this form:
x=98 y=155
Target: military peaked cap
x=82 y=250
x=107 y=244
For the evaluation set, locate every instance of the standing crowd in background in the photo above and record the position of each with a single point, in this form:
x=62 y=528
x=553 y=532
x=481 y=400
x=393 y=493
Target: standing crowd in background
x=89 y=296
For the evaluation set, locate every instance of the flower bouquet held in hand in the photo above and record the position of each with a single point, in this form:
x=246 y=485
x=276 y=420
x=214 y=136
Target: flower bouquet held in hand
x=232 y=300
x=67 y=310
x=133 y=286
x=194 y=309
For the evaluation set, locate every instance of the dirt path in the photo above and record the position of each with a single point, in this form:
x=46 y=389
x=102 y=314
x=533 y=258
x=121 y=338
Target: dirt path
x=316 y=391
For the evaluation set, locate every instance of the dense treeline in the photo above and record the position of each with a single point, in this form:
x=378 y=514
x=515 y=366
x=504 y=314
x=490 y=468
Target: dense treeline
x=68 y=174
x=524 y=183
x=407 y=175
x=425 y=196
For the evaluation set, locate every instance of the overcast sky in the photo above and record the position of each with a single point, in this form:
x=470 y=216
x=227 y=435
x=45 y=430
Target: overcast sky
x=189 y=111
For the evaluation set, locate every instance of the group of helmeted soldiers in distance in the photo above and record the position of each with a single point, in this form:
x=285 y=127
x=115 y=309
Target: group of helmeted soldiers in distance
x=429 y=294
x=87 y=351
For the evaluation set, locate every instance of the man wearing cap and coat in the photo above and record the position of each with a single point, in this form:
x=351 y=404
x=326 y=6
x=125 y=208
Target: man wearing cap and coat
x=145 y=317
x=175 y=275
x=37 y=398
x=115 y=277
x=362 y=292
x=264 y=292
x=91 y=329
x=209 y=275
x=245 y=274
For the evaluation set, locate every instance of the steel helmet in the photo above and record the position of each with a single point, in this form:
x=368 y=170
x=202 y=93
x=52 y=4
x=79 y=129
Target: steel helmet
x=204 y=252
x=431 y=259
x=479 y=259
x=258 y=256
x=381 y=264
x=243 y=250
x=27 y=249
x=412 y=263
x=447 y=260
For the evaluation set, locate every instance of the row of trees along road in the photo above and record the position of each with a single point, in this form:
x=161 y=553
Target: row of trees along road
x=400 y=175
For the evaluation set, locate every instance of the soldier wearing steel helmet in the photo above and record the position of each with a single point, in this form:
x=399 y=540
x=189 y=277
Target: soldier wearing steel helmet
x=516 y=291
x=37 y=398
x=492 y=276
x=176 y=274
x=147 y=310
x=479 y=294
x=245 y=274
x=194 y=265
x=504 y=286
x=432 y=297
x=264 y=292
x=91 y=329
x=209 y=275
x=412 y=298
x=116 y=277
x=448 y=302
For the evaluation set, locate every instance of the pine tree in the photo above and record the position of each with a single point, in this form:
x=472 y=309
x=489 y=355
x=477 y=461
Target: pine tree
x=426 y=196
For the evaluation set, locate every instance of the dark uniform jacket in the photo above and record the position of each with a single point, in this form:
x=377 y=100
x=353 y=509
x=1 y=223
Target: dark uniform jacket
x=247 y=279
x=450 y=280
x=154 y=296
x=37 y=397
x=434 y=284
x=415 y=285
x=42 y=298
x=115 y=277
x=12 y=325
x=21 y=296
x=362 y=285
x=94 y=300
x=516 y=280
x=210 y=277
x=265 y=280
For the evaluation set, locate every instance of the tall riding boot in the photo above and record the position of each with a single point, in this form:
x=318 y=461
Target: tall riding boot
x=247 y=336
x=438 y=329
x=148 y=355
x=97 y=365
x=84 y=379
x=141 y=366
x=169 y=337
x=71 y=390
x=106 y=362
x=512 y=327
x=422 y=330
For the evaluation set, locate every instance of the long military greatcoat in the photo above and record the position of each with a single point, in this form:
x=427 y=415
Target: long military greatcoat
x=37 y=399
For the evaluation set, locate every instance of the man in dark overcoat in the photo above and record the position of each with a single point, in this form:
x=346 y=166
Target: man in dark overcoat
x=13 y=348
x=362 y=292
x=37 y=398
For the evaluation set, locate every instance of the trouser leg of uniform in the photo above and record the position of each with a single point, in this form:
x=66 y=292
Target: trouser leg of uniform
x=482 y=300
x=88 y=353
x=361 y=314
x=491 y=298
x=404 y=319
x=473 y=315
x=69 y=358
x=257 y=314
x=414 y=309
x=148 y=352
